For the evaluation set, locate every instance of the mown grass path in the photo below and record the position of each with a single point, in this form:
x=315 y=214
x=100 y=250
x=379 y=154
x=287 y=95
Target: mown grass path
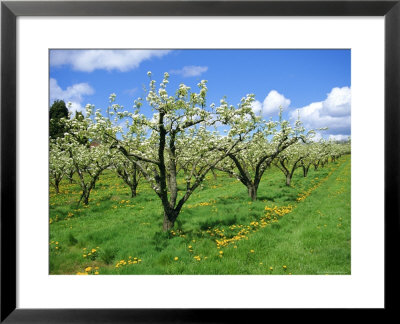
x=315 y=237
x=304 y=229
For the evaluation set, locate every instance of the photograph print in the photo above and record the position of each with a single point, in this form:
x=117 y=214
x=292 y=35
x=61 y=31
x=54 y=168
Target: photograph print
x=199 y=162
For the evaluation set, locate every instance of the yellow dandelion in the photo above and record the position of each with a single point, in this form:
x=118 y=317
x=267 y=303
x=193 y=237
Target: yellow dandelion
x=176 y=258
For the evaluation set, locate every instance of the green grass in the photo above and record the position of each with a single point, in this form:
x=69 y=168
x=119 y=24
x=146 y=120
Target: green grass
x=312 y=236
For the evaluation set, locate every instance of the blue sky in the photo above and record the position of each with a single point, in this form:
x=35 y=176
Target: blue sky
x=314 y=83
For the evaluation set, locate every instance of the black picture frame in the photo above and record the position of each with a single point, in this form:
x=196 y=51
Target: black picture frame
x=10 y=10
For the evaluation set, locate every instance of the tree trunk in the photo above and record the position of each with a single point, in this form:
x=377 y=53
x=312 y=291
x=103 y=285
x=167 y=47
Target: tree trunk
x=56 y=186
x=86 y=191
x=288 y=179
x=169 y=220
x=252 y=190
x=133 y=190
x=214 y=174
x=70 y=176
x=84 y=197
x=305 y=171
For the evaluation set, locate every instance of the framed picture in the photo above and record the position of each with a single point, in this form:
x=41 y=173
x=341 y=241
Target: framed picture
x=327 y=56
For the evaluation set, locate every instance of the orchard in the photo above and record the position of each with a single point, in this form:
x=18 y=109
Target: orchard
x=195 y=188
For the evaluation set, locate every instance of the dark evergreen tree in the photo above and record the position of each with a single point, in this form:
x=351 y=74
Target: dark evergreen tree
x=79 y=116
x=57 y=111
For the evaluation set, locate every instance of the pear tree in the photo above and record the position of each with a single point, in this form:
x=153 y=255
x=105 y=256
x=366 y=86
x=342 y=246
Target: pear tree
x=88 y=160
x=179 y=138
x=254 y=156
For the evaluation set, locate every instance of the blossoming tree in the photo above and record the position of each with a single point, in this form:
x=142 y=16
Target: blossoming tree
x=249 y=163
x=89 y=161
x=289 y=160
x=178 y=139
x=128 y=171
x=59 y=164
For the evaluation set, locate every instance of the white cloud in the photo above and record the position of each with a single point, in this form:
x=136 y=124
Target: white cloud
x=257 y=107
x=338 y=102
x=334 y=112
x=339 y=137
x=73 y=94
x=271 y=104
x=90 y=60
x=190 y=71
x=316 y=137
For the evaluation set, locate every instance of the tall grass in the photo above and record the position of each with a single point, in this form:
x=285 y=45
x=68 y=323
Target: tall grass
x=302 y=229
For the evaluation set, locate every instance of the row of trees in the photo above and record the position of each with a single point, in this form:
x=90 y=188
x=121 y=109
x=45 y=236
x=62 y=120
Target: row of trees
x=181 y=139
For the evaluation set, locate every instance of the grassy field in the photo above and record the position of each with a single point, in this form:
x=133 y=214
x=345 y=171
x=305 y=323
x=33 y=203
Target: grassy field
x=302 y=229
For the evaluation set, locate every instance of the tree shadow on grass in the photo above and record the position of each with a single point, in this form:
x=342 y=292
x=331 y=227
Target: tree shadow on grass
x=267 y=198
x=213 y=223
